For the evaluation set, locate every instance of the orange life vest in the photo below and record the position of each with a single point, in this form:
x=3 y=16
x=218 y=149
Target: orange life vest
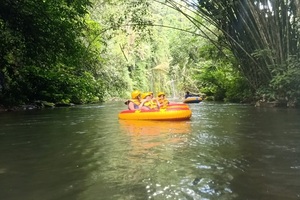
x=151 y=104
x=163 y=102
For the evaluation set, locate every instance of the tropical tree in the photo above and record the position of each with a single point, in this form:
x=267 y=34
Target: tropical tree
x=139 y=48
x=42 y=52
x=263 y=36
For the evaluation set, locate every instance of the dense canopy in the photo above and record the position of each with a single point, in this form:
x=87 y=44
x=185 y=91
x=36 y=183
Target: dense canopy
x=88 y=51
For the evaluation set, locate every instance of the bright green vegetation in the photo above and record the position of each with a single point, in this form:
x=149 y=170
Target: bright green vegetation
x=88 y=51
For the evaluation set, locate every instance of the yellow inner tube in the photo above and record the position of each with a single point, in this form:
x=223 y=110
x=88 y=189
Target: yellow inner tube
x=161 y=114
x=193 y=100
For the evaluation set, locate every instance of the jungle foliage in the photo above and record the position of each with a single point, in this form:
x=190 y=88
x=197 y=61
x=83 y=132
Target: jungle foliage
x=91 y=50
x=165 y=54
x=43 y=55
x=264 y=38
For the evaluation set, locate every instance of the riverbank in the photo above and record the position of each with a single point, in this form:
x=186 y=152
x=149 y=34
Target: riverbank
x=45 y=104
x=34 y=105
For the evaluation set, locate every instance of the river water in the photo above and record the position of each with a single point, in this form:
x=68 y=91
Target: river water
x=225 y=151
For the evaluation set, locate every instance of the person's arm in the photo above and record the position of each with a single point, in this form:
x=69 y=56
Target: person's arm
x=131 y=106
x=142 y=103
x=141 y=106
x=157 y=103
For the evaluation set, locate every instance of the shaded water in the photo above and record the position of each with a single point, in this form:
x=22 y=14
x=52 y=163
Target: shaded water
x=226 y=151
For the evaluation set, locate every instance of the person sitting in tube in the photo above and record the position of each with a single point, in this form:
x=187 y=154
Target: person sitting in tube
x=162 y=100
x=148 y=101
x=188 y=94
x=154 y=102
x=136 y=103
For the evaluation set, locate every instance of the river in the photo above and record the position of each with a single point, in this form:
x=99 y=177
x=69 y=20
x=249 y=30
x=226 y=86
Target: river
x=225 y=151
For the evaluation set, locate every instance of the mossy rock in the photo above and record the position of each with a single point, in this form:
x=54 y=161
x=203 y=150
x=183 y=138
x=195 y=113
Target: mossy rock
x=48 y=104
x=62 y=104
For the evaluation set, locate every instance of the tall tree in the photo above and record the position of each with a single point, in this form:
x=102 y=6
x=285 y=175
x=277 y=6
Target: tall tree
x=264 y=37
x=42 y=51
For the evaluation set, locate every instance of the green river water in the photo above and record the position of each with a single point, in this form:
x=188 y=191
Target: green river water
x=225 y=151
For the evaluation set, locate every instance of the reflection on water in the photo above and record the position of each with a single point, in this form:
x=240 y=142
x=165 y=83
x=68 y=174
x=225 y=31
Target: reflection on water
x=151 y=149
x=225 y=151
x=148 y=134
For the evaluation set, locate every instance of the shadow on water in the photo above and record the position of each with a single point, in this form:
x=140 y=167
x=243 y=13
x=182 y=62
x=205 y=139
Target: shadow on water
x=226 y=151
x=248 y=153
x=269 y=141
x=44 y=152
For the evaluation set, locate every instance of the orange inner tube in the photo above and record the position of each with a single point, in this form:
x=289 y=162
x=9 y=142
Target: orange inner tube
x=170 y=113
